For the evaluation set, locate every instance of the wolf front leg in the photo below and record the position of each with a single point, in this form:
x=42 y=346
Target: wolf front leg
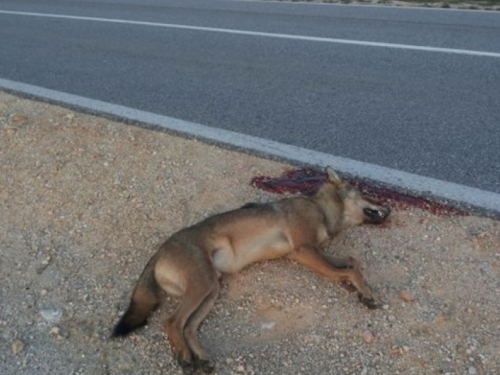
x=336 y=269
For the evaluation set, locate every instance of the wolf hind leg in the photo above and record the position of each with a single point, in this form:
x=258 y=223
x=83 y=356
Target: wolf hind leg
x=201 y=358
x=196 y=292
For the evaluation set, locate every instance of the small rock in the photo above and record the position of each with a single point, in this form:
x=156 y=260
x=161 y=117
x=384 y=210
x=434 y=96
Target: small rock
x=424 y=221
x=391 y=318
x=472 y=370
x=253 y=170
x=17 y=346
x=368 y=337
x=407 y=297
x=51 y=316
x=19 y=118
x=240 y=368
x=43 y=265
x=396 y=351
x=229 y=361
x=56 y=333
x=268 y=325
x=476 y=231
x=11 y=131
x=103 y=358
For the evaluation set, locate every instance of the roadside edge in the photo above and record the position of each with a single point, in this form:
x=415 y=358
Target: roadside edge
x=473 y=200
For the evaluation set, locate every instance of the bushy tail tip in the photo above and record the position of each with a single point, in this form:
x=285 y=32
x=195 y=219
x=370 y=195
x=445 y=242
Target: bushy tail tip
x=135 y=317
x=145 y=299
x=125 y=326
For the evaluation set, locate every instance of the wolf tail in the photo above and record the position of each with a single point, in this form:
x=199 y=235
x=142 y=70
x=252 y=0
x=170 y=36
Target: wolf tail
x=145 y=299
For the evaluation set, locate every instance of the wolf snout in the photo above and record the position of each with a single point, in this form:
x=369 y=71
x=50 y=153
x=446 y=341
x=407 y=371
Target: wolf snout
x=377 y=215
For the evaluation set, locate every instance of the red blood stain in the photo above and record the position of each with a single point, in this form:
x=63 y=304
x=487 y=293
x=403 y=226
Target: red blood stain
x=307 y=181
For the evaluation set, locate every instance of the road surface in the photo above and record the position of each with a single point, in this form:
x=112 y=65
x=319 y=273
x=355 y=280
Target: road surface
x=413 y=90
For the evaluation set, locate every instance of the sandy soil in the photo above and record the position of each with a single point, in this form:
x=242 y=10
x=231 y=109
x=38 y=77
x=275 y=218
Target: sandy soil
x=84 y=201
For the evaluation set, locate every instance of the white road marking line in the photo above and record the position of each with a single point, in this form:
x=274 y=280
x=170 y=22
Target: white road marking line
x=263 y=34
x=484 y=202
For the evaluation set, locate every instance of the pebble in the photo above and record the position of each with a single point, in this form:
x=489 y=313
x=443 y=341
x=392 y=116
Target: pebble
x=19 y=118
x=424 y=221
x=43 y=265
x=268 y=325
x=396 y=351
x=103 y=358
x=51 y=316
x=368 y=337
x=407 y=297
x=472 y=370
x=11 y=131
x=17 y=346
x=56 y=333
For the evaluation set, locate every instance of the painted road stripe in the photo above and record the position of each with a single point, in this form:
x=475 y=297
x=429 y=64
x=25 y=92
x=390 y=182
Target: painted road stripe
x=262 y=34
x=481 y=201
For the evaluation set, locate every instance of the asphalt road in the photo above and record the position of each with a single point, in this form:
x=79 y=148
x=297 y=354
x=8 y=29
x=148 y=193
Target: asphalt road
x=432 y=113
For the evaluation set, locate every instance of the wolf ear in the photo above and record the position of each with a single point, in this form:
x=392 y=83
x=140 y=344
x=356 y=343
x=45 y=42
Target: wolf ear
x=333 y=177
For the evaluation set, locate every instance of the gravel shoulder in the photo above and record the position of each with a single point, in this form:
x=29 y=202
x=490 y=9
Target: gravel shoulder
x=84 y=201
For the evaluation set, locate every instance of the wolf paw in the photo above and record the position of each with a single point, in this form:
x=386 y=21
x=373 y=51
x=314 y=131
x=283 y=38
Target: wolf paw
x=206 y=366
x=187 y=367
x=368 y=301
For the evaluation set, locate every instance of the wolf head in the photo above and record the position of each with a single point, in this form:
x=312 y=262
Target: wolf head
x=357 y=209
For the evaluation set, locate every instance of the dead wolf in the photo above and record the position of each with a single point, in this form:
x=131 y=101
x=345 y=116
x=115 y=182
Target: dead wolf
x=190 y=263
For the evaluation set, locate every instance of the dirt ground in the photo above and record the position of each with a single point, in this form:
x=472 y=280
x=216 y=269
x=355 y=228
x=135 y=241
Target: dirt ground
x=84 y=202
